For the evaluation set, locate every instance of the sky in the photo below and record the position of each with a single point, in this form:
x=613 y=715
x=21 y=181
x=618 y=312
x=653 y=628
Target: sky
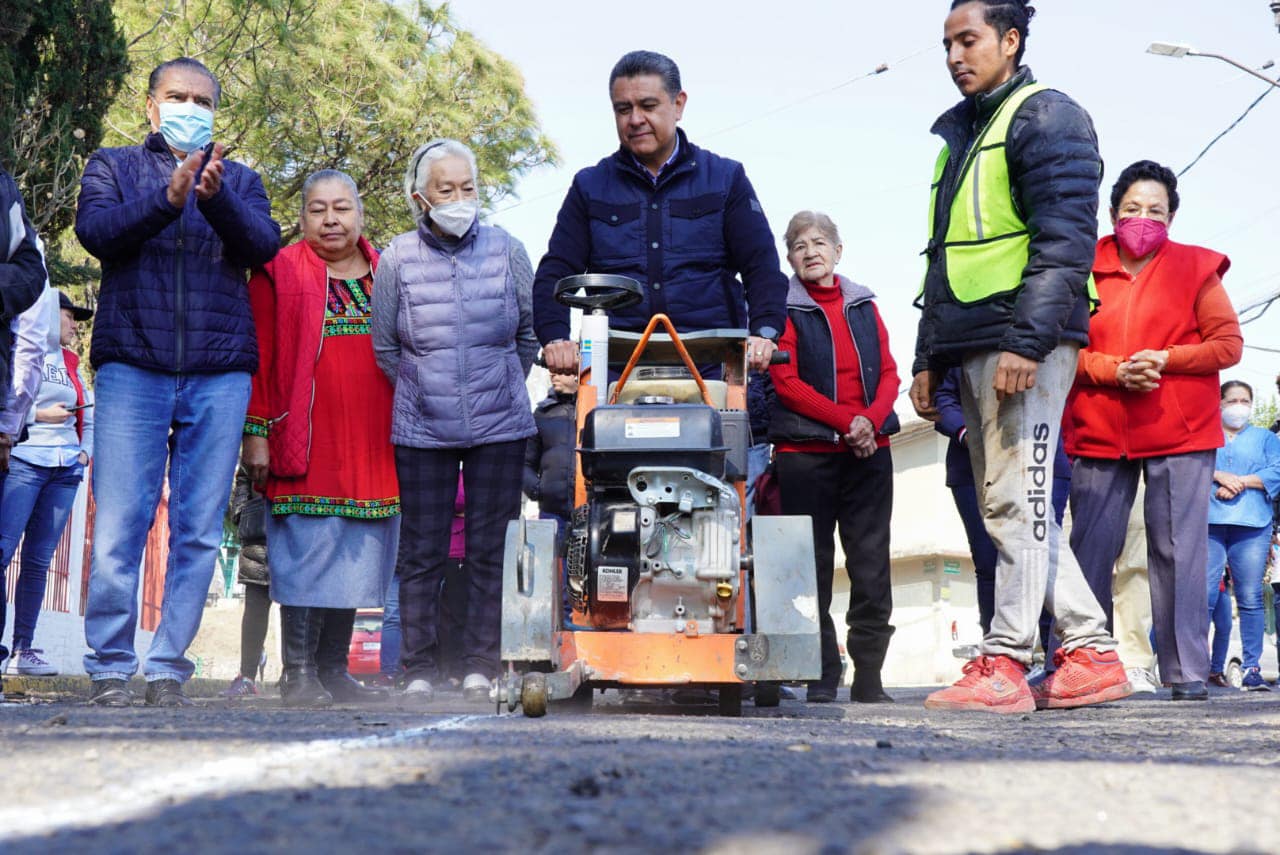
x=790 y=92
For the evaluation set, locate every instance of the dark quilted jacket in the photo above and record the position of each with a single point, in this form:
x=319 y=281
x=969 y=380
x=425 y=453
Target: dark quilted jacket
x=1055 y=170
x=686 y=241
x=174 y=295
x=549 y=458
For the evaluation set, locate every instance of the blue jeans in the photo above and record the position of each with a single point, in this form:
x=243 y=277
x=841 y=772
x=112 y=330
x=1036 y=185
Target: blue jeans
x=757 y=462
x=37 y=501
x=389 y=652
x=1220 y=619
x=1245 y=548
x=145 y=419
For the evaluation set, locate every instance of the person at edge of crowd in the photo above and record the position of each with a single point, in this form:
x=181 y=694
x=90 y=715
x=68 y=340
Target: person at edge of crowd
x=1131 y=602
x=45 y=471
x=248 y=512
x=316 y=436
x=1020 y=166
x=175 y=226
x=832 y=419
x=1246 y=480
x=451 y=288
x=1221 y=621
x=1165 y=329
x=1275 y=425
x=683 y=222
x=28 y=344
x=22 y=282
x=453 y=609
x=964 y=494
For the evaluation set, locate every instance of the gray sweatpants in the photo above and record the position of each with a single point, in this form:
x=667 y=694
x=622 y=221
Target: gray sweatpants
x=1176 y=508
x=1013 y=471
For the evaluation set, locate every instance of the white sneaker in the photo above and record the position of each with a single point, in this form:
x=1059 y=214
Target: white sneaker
x=418 y=692
x=1141 y=680
x=475 y=687
x=32 y=664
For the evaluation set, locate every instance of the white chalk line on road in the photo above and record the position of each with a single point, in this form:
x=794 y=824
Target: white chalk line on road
x=246 y=771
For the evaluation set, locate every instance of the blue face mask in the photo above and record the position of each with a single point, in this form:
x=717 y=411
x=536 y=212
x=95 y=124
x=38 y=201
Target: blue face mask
x=186 y=126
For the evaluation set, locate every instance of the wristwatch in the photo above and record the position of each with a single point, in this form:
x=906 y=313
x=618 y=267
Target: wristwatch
x=769 y=333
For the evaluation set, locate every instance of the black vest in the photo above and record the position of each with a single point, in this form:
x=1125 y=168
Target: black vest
x=816 y=365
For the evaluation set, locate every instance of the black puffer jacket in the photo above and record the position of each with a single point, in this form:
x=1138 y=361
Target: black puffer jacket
x=548 y=459
x=1054 y=170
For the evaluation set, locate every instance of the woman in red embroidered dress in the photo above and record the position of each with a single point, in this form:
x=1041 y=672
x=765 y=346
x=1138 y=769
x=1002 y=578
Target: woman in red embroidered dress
x=317 y=438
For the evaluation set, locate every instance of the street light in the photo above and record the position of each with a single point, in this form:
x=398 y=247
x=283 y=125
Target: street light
x=1275 y=7
x=1178 y=51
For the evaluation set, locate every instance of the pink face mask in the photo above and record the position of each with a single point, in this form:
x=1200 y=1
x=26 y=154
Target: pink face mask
x=1140 y=237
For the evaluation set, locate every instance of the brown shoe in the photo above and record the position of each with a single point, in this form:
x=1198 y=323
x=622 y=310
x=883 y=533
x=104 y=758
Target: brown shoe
x=1220 y=680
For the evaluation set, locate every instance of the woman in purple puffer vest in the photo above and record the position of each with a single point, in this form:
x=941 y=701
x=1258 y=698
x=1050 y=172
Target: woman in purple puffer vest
x=453 y=330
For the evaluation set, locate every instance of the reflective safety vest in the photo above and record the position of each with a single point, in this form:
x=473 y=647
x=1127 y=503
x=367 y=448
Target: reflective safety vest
x=987 y=244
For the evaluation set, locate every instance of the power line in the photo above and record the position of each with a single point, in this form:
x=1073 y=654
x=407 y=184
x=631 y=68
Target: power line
x=875 y=72
x=878 y=70
x=1229 y=129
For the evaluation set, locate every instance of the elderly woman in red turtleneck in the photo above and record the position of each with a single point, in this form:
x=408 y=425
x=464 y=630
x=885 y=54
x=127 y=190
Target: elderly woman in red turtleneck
x=831 y=427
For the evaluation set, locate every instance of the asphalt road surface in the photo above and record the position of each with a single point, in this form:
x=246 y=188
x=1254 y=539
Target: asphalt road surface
x=1140 y=776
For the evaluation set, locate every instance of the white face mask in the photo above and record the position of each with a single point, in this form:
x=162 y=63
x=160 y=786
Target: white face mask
x=1236 y=416
x=454 y=218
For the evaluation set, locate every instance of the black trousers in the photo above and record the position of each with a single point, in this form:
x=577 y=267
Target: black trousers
x=253 y=628
x=491 y=476
x=839 y=491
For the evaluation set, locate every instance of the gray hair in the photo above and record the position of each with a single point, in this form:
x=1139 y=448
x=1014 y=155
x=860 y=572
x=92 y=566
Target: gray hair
x=641 y=62
x=805 y=220
x=189 y=64
x=322 y=175
x=415 y=177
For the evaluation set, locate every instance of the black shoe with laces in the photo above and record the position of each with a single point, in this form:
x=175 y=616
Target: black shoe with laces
x=166 y=693
x=111 y=693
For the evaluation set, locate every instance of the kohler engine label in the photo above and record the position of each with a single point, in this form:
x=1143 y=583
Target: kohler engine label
x=611 y=584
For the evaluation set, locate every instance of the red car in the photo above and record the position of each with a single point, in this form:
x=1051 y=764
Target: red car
x=366 y=643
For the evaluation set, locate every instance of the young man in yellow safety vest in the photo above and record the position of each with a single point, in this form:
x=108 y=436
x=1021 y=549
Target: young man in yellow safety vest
x=1007 y=297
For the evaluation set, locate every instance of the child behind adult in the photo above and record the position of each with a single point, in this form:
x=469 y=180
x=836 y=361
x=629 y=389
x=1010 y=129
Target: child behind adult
x=548 y=460
x=248 y=512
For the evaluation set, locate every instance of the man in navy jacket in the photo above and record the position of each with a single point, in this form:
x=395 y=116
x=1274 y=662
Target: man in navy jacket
x=175 y=226
x=682 y=221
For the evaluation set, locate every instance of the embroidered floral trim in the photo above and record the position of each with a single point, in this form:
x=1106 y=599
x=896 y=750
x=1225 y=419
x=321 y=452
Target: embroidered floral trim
x=255 y=426
x=365 y=509
x=347 y=326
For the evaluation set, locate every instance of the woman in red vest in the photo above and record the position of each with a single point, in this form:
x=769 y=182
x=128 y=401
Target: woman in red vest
x=1145 y=404
x=318 y=437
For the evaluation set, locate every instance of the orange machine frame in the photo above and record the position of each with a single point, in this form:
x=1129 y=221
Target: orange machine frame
x=654 y=658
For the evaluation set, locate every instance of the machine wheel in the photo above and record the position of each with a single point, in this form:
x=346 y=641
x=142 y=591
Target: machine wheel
x=533 y=694
x=730 y=700
x=768 y=694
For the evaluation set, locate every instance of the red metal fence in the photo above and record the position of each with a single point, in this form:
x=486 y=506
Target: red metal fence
x=56 y=588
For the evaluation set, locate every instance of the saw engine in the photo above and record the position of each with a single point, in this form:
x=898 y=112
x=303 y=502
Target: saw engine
x=656 y=547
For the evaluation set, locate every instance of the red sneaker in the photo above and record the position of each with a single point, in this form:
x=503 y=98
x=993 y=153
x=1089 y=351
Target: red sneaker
x=1084 y=676
x=995 y=684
